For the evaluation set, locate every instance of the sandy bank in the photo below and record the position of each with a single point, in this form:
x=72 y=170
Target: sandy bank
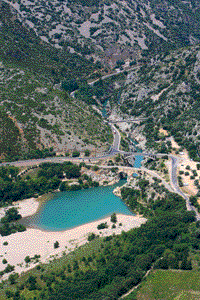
x=34 y=241
x=26 y=207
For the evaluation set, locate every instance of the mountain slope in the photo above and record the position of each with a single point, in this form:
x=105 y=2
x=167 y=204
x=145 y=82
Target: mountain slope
x=36 y=115
x=112 y=30
x=21 y=46
x=166 y=92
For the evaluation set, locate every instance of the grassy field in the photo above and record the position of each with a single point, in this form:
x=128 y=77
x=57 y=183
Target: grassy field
x=169 y=285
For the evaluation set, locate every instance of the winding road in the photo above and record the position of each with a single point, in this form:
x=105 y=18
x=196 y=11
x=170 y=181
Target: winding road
x=114 y=149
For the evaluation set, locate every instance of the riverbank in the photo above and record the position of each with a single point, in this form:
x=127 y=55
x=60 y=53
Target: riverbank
x=35 y=241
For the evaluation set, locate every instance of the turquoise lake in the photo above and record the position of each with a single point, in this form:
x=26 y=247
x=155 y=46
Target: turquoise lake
x=73 y=208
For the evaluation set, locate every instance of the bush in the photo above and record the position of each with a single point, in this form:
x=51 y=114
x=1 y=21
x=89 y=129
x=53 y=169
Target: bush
x=56 y=245
x=4 y=261
x=87 y=152
x=5 y=243
x=11 y=215
x=9 y=269
x=95 y=168
x=76 y=154
x=113 y=226
x=113 y=218
x=91 y=236
x=102 y=226
x=13 y=277
x=27 y=259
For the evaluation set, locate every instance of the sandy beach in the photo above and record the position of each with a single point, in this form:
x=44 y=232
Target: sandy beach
x=35 y=241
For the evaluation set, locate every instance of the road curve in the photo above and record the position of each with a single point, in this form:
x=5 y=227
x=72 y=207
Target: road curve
x=174 y=181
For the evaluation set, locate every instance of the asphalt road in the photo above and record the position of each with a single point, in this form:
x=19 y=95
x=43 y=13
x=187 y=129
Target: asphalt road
x=104 y=77
x=174 y=178
x=114 y=149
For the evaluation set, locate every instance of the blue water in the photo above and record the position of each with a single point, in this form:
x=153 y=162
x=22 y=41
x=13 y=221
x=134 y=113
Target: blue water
x=70 y=209
x=138 y=161
x=104 y=113
x=138 y=158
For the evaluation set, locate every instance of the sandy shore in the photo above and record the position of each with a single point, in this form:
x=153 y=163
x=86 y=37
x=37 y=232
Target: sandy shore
x=26 y=207
x=35 y=241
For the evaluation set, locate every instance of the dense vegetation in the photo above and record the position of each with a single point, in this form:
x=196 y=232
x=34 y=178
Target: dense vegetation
x=47 y=178
x=102 y=90
x=8 y=222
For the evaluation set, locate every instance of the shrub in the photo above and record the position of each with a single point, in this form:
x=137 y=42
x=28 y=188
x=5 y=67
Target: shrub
x=87 y=152
x=27 y=259
x=56 y=245
x=5 y=243
x=9 y=269
x=95 y=168
x=4 y=261
x=102 y=226
x=113 y=218
x=91 y=236
x=76 y=154
x=12 y=278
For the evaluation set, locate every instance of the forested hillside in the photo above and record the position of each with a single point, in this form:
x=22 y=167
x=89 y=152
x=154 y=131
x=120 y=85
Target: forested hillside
x=38 y=117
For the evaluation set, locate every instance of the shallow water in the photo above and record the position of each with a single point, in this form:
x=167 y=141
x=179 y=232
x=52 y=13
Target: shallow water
x=74 y=208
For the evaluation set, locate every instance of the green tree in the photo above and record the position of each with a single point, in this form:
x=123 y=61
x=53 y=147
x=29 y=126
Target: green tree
x=76 y=154
x=31 y=283
x=56 y=244
x=75 y=265
x=91 y=236
x=11 y=214
x=13 y=277
x=4 y=261
x=27 y=259
x=87 y=152
x=113 y=218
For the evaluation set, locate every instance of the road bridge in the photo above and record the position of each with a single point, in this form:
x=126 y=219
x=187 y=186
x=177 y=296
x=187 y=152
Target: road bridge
x=127 y=120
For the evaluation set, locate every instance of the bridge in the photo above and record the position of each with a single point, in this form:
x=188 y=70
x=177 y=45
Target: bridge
x=128 y=120
x=129 y=154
